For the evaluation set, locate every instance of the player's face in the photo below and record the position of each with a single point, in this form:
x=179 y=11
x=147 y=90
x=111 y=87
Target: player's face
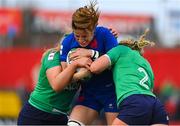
x=83 y=37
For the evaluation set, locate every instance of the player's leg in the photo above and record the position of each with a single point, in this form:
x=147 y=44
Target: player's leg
x=118 y=122
x=110 y=107
x=135 y=110
x=160 y=116
x=110 y=117
x=83 y=115
x=26 y=115
x=86 y=109
x=30 y=115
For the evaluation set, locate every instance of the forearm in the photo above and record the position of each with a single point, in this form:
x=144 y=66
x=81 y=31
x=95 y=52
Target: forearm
x=64 y=78
x=82 y=73
x=100 y=65
x=63 y=65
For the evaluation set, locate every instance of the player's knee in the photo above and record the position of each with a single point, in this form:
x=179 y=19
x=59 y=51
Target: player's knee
x=72 y=122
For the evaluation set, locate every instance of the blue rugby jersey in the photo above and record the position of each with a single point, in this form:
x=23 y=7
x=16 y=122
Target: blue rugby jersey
x=102 y=42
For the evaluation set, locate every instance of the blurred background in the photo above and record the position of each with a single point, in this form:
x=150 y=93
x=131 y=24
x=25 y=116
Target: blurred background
x=27 y=27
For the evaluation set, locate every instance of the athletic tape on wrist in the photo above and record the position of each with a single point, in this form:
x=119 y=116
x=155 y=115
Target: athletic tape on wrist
x=96 y=55
x=92 y=54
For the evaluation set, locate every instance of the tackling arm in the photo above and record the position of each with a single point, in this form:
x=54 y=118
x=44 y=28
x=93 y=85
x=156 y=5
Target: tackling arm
x=81 y=74
x=100 y=64
x=58 y=79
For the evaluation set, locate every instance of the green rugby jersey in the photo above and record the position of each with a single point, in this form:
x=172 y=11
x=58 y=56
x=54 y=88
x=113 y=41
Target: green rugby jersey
x=132 y=73
x=44 y=97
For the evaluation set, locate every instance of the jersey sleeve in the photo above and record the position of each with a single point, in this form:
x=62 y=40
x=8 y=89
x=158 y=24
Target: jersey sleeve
x=116 y=52
x=65 y=47
x=109 y=40
x=51 y=60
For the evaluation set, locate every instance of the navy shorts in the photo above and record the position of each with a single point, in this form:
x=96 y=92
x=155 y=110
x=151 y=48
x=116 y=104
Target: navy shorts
x=98 y=100
x=30 y=115
x=142 y=110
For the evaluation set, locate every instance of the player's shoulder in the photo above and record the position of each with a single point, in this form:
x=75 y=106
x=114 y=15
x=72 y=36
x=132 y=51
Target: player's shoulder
x=51 y=55
x=101 y=29
x=122 y=48
x=67 y=38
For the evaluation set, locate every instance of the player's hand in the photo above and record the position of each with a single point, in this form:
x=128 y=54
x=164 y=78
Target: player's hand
x=82 y=62
x=114 y=32
x=80 y=52
x=82 y=74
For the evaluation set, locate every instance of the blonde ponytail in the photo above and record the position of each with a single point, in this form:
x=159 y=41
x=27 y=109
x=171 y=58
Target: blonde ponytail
x=138 y=44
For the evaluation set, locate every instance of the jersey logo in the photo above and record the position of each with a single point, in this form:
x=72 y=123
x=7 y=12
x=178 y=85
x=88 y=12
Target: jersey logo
x=93 y=44
x=110 y=106
x=51 y=56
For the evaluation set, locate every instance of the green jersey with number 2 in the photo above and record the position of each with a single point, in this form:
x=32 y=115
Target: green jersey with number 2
x=132 y=73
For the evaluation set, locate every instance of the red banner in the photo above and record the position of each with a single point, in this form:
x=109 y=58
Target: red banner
x=19 y=67
x=165 y=64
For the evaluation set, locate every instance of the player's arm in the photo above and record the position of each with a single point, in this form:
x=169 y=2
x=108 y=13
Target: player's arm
x=58 y=79
x=83 y=71
x=63 y=65
x=100 y=64
x=109 y=59
x=81 y=74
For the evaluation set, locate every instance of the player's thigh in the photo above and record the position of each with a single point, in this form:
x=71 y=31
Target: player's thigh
x=83 y=114
x=110 y=107
x=159 y=115
x=136 y=110
x=110 y=117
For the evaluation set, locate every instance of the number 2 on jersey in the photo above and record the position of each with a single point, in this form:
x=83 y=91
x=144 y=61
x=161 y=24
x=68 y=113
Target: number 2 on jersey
x=144 y=79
